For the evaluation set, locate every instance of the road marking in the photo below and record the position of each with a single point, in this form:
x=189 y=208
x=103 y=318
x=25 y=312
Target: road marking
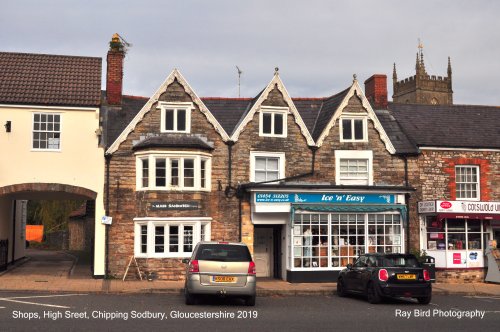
x=484 y=297
x=34 y=303
x=38 y=296
x=2 y=307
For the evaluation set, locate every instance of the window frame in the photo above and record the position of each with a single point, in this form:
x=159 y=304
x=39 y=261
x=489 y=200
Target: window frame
x=200 y=225
x=283 y=111
x=164 y=106
x=353 y=155
x=257 y=154
x=477 y=183
x=352 y=118
x=153 y=156
x=46 y=131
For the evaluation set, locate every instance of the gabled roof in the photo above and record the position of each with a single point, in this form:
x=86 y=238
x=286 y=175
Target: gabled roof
x=308 y=109
x=174 y=75
x=44 y=79
x=257 y=102
x=402 y=143
x=355 y=89
x=453 y=126
x=227 y=110
x=326 y=112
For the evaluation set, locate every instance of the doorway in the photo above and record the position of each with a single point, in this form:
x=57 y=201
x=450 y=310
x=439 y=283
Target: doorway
x=263 y=251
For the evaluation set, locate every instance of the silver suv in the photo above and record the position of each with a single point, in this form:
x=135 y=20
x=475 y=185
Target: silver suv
x=220 y=268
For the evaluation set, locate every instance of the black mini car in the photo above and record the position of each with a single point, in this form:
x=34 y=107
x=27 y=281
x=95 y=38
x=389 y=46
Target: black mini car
x=386 y=275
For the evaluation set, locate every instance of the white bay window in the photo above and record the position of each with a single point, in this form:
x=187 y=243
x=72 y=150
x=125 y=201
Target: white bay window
x=173 y=171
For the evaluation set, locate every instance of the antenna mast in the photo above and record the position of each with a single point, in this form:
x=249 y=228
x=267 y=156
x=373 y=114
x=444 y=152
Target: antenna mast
x=239 y=81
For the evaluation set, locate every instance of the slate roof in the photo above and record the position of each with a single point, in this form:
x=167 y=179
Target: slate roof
x=42 y=79
x=228 y=111
x=401 y=142
x=460 y=126
x=174 y=140
x=308 y=109
x=326 y=112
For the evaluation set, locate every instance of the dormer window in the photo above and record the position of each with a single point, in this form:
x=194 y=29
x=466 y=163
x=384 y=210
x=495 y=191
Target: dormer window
x=175 y=118
x=353 y=129
x=273 y=121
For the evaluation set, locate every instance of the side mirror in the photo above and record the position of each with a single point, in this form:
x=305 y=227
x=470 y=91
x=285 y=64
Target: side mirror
x=185 y=260
x=349 y=266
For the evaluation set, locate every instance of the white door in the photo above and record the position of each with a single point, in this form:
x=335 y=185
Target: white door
x=263 y=251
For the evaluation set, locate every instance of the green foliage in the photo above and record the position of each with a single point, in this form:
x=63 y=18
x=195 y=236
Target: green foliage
x=53 y=215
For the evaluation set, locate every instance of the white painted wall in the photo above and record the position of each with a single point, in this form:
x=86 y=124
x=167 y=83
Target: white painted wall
x=79 y=162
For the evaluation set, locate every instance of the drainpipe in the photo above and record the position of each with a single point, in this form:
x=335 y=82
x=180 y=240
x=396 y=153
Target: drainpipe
x=14 y=233
x=230 y=162
x=407 y=200
x=108 y=161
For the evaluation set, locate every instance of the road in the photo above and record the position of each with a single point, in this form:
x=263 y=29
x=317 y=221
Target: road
x=152 y=312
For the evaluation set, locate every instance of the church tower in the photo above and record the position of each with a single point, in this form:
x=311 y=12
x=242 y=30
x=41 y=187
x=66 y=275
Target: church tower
x=423 y=88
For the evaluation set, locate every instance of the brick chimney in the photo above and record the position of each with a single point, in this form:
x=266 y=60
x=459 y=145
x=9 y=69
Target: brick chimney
x=114 y=73
x=376 y=91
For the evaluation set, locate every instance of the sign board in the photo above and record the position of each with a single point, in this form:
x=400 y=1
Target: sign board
x=181 y=205
x=467 y=206
x=269 y=197
x=106 y=220
x=427 y=207
x=457 y=258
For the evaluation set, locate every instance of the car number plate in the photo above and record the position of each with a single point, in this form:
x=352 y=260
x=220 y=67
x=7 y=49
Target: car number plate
x=407 y=276
x=223 y=279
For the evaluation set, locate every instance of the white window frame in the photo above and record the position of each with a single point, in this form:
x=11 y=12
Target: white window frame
x=273 y=111
x=353 y=154
x=152 y=156
x=281 y=163
x=478 y=183
x=188 y=107
x=364 y=118
x=33 y=131
x=197 y=222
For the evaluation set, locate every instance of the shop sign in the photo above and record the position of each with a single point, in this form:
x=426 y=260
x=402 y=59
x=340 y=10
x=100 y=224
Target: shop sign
x=457 y=258
x=269 y=197
x=465 y=206
x=182 y=205
x=427 y=207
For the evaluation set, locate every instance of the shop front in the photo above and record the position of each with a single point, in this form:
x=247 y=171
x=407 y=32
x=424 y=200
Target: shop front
x=456 y=234
x=322 y=232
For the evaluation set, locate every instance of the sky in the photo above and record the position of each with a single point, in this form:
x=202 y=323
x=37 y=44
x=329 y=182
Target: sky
x=317 y=45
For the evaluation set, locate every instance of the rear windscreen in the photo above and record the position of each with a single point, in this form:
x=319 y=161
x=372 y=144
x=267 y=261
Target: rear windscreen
x=400 y=261
x=223 y=253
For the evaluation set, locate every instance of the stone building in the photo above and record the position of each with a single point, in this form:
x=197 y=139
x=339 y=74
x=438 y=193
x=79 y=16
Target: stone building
x=307 y=183
x=423 y=88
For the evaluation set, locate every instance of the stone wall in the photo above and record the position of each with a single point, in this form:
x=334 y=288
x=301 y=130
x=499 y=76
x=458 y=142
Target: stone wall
x=460 y=276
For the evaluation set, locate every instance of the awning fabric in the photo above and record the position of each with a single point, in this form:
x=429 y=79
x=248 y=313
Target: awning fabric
x=464 y=215
x=354 y=208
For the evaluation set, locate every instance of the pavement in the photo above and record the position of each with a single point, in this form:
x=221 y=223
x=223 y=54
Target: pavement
x=58 y=271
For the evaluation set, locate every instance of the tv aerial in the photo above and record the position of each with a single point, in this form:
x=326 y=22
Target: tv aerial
x=239 y=80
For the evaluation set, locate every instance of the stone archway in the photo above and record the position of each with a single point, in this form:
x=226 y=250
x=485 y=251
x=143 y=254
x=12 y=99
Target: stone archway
x=27 y=189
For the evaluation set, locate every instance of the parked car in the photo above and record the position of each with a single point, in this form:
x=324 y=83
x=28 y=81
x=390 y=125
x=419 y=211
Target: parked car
x=221 y=269
x=386 y=275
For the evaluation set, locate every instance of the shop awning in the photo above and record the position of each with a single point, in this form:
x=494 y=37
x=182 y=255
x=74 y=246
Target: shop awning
x=351 y=208
x=463 y=215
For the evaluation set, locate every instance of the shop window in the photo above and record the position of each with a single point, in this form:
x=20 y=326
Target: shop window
x=169 y=237
x=266 y=166
x=175 y=117
x=322 y=240
x=454 y=234
x=46 y=131
x=353 y=129
x=467 y=182
x=272 y=121
x=173 y=172
x=353 y=167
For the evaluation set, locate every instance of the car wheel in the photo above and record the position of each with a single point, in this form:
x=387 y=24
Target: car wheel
x=189 y=298
x=372 y=294
x=250 y=301
x=341 y=290
x=424 y=300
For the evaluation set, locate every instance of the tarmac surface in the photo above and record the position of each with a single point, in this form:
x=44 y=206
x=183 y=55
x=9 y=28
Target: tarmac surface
x=57 y=271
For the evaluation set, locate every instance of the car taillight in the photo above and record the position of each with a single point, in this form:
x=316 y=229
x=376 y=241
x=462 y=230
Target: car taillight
x=194 y=267
x=427 y=276
x=383 y=275
x=251 y=268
